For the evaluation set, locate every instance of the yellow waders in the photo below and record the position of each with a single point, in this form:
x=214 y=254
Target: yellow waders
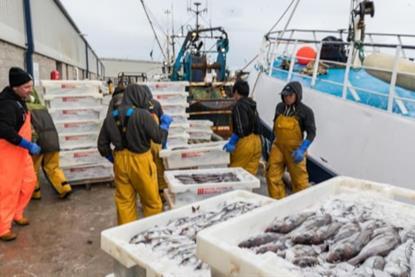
x=50 y=164
x=135 y=173
x=247 y=153
x=288 y=138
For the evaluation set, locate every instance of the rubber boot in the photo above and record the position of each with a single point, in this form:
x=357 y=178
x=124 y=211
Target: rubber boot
x=23 y=221
x=9 y=236
x=66 y=191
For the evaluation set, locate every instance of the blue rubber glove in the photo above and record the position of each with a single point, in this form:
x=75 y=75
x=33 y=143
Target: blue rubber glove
x=230 y=146
x=299 y=153
x=33 y=148
x=110 y=158
x=165 y=121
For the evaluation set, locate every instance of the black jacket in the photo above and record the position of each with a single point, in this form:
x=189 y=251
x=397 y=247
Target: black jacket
x=13 y=111
x=141 y=128
x=245 y=119
x=47 y=135
x=302 y=112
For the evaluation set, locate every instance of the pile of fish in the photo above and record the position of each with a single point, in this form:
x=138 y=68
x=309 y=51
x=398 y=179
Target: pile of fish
x=339 y=239
x=177 y=239
x=200 y=178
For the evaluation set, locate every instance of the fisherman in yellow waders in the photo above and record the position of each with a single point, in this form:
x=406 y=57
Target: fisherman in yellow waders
x=245 y=142
x=131 y=128
x=292 y=118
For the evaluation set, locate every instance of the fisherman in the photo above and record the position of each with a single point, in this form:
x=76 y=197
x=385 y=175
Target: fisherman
x=131 y=128
x=292 y=118
x=110 y=86
x=17 y=175
x=160 y=117
x=245 y=142
x=44 y=133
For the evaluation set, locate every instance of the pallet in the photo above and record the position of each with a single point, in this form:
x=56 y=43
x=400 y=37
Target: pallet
x=88 y=182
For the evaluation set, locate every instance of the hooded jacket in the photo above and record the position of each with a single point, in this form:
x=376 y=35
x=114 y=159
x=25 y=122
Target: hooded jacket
x=141 y=128
x=245 y=119
x=302 y=112
x=13 y=111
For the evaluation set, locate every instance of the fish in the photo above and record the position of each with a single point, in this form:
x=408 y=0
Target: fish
x=304 y=232
x=380 y=245
x=317 y=235
x=274 y=246
x=375 y=262
x=288 y=223
x=348 y=248
x=397 y=261
x=298 y=251
x=259 y=240
x=305 y=261
x=346 y=231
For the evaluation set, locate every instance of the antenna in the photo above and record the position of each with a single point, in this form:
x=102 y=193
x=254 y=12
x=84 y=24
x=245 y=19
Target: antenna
x=197 y=12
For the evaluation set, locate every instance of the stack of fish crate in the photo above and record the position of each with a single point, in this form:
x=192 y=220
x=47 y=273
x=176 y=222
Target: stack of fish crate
x=77 y=110
x=173 y=99
x=200 y=131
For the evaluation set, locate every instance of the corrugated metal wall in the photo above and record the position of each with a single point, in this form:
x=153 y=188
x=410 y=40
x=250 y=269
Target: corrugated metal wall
x=12 y=28
x=92 y=61
x=54 y=36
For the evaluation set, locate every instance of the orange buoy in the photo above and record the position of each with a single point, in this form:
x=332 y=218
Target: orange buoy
x=305 y=54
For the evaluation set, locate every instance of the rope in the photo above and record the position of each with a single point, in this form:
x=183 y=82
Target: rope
x=281 y=17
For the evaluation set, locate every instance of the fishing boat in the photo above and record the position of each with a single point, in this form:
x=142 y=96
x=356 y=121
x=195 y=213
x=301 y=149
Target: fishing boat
x=361 y=87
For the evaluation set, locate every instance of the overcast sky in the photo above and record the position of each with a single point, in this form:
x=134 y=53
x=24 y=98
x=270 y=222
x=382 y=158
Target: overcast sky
x=119 y=28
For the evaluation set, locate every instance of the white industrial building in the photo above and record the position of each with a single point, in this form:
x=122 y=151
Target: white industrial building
x=114 y=67
x=40 y=36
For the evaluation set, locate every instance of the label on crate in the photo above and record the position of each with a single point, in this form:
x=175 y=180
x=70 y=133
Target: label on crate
x=82 y=169
x=72 y=99
x=191 y=155
x=70 y=112
x=83 y=154
x=73 y=138
x=202 y=191
x=71 y=125
x=68 y=86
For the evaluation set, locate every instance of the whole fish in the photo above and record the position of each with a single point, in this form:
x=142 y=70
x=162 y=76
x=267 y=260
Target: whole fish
x=348 y=248
x=305 y=261
x=380 y=245
x=274 y=246
x=306 y=231
x=299 y=251
x=288 y=223
x=346 y=231
x=259 y=240
x=397 y=261
x=375 y=262
x=317 y=235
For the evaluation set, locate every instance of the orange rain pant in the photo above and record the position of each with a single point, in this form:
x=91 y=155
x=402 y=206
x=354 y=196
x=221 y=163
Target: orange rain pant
x=17 y=179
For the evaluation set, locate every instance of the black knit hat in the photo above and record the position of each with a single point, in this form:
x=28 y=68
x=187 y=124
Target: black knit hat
x=241 y=87
x=18 y=76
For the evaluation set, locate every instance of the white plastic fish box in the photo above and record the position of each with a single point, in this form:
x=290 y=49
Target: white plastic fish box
x=200 y=134
x=72 y=141
x=175 y=108
x=189 y=193
x=195 y=155
x=73 y=101
x=88 y=172
x=170 y=97
x=177 y=140
x=115 y=241
x=81 y=126
x=68 y=87
x=178 y=128
x=75 y=114
x=218 y=246
x=167 y=86
x=80 y=157
x=180 y=118
x=199 y=123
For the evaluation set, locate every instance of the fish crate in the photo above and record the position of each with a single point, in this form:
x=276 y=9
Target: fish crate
x=204 y=124
x=80 y=157
x=72 y=141
x=171 y=97
x=187 y=190
x=179 y=118
x=200 y=134
x=80 y=126
x=177 y=140
x=70 y=87
x=175 y=108
x=80 y=173
x=76 y=114
x=115 y=241
x=179 y=128
x=195 y=155
x=73 y=101
x=156 y=87
x=218 y=246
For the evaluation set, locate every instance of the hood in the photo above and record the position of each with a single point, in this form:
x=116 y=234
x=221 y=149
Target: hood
x=137 y=96
x=293 y=87
x=248 y=102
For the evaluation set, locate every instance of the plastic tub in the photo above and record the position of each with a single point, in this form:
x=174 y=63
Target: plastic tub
x=195 y=123
x=78 y=140
x=67 y=87
x=180 y=118
x=80 y=157
x=200 y=134
x=73 y=101
x=218 y=245
x=195 y=155
x=76 y=114
x=175 y=108
x=179 y=128
x=115 y=241
x=78 y=127
x=170 y=97
x=88 y=172
x=167 y=86
x=189 y=193
x=176 y=140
